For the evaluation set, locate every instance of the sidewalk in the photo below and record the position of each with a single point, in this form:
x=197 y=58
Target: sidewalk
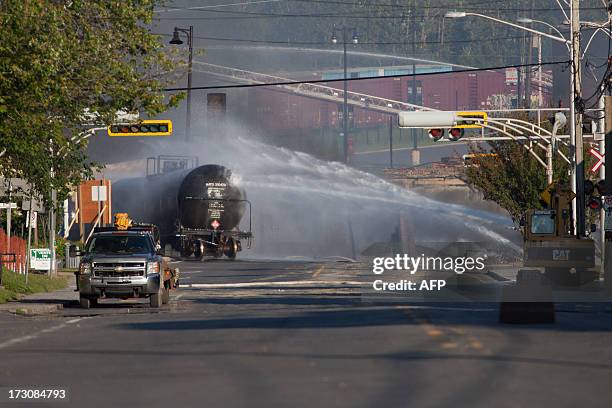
x=43 y=303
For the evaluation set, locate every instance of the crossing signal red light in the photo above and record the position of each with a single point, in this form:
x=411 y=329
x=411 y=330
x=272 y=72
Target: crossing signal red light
x=594 y=203
x=592 y=193
x=436 y=134
x=455 y=134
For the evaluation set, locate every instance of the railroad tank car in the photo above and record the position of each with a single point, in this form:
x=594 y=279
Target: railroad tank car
x=198 y=211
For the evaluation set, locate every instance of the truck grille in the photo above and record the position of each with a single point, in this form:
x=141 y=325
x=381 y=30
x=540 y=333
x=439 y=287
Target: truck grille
x=118 y=269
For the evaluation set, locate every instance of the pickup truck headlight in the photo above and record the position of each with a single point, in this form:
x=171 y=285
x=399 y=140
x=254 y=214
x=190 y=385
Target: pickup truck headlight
x=85 y=268
x=152 y=267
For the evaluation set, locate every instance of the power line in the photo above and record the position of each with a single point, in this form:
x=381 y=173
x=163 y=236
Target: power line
x=198 y=8
x=459 y=71
x=491 y=39
x=244 y=15
x=240 y=14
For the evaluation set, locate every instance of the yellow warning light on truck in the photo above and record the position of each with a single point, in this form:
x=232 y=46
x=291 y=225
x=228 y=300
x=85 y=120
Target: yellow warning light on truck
x=122 y=221
x=143 y=128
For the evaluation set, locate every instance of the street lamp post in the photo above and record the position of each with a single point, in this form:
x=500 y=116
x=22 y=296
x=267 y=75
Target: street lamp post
x=176 y=40
x=354 y=40
x=576 y=143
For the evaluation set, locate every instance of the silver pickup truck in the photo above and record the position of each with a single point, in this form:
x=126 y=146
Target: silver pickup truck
x=123 y=264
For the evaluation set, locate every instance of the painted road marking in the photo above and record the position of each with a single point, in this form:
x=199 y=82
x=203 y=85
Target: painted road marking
x=28 y=337
x=267 y=284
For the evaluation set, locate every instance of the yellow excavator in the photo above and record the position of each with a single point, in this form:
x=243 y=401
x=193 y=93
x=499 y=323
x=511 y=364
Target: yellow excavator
x=549 y=242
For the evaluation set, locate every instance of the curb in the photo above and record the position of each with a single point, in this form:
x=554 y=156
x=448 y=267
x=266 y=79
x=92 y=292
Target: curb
x=35 y=310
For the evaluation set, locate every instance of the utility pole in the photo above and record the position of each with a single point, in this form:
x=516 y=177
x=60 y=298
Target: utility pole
x=27 y=271
x=529 y=44
x=601 y=130
x=176 y=40
x=52 y=213
x=391 y=141
x=345 y=99
x=416 y=157
x=9 y=212
x=576 y=96
x=345 y=110
x=189 y=74
x=607 y=244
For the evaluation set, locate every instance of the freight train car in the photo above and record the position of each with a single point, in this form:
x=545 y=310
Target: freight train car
x=198 y=210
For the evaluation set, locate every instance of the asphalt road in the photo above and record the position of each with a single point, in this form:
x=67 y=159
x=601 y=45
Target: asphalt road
x=299 y=334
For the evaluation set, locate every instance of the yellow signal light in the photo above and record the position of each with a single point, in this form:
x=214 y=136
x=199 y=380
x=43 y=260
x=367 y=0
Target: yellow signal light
x=143 y=128
x=472 y=119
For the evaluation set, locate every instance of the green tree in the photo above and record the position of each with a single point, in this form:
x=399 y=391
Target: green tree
x=506 y=173
x=61 y=59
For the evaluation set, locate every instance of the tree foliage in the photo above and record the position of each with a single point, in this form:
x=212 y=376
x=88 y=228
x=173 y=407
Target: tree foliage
x=506 y=173
x=61 y=59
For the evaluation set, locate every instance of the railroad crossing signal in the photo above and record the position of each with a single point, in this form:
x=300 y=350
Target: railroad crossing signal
x=436 y=121
x=600 y=160
x=443 y=119
x=143 y=128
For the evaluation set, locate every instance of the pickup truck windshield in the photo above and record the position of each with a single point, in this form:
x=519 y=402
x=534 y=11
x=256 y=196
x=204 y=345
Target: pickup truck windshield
x=116 y=244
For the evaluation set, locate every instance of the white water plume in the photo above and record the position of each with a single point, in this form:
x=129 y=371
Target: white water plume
x=303 y=206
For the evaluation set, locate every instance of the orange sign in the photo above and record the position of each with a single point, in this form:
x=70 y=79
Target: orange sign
x=94 y=200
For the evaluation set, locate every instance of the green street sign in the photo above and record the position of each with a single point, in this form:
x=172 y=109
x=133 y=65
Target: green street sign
x=40 y=259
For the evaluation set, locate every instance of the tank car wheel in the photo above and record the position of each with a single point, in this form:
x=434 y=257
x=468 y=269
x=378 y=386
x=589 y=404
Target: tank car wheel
x=231 y=248
x=199 y=249
x=186 y=251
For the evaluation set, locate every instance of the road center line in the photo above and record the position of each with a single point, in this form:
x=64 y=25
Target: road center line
x=28 y=337
x=267 y=284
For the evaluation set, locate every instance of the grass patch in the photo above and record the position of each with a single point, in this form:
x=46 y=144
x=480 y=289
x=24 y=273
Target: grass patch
x=15 y=284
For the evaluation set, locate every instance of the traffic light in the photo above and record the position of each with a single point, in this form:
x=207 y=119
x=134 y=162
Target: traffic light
x=592 y=199
x=143 y=128
x=436 y=134
x=454 y=134
x=601 y=187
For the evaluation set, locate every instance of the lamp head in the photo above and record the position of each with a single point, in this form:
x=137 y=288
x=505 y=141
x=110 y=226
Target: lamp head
x=176 y=38
x=455 y=14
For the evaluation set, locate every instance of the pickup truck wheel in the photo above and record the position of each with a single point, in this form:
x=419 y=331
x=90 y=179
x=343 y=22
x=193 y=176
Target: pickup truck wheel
x=155 y=300
x=165 y=296
x=85 y=302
